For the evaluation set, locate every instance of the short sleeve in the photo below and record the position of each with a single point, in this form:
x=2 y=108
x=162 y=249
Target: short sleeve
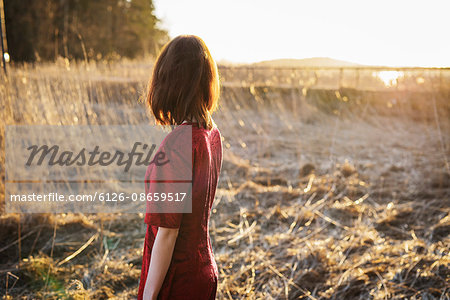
x=166 y=220
x=168 y=186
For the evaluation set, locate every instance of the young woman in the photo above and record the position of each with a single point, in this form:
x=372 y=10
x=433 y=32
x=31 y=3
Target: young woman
x=178 y=262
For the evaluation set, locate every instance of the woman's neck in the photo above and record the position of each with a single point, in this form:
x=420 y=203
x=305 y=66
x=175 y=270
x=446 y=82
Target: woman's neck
x=192 y=120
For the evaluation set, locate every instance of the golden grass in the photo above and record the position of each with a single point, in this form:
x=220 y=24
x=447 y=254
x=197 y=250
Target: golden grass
x=324 y=194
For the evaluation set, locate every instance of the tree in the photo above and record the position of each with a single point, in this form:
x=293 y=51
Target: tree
x=79 y=29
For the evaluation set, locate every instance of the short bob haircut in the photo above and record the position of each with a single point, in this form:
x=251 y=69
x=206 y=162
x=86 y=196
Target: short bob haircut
x=185 y=83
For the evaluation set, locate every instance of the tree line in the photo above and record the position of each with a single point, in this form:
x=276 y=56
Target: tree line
x=38 y=30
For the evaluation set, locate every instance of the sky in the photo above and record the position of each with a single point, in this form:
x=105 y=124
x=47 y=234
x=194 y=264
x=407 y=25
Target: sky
x=379 y=32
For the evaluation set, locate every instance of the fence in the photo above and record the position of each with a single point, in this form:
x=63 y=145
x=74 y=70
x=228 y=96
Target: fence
x=362 y=78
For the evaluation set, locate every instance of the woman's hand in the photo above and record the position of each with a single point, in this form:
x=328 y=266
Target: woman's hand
x=160 y=260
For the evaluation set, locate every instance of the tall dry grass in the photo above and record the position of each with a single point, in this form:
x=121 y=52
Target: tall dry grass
x=330 y=189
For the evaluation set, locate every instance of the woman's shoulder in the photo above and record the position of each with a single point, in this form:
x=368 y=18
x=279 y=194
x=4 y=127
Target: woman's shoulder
x=178 y=138
x=200 y=134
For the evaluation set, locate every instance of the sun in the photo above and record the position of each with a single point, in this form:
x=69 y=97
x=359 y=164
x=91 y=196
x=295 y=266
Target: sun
x=389 y=78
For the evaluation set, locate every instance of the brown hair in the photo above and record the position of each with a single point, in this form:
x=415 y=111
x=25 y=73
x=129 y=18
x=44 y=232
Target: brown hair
x=185 y=83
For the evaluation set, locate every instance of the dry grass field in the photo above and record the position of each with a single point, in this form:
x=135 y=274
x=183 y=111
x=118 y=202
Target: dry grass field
x=329 y=189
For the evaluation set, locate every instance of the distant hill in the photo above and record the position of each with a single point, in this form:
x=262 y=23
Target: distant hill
x=306 y=62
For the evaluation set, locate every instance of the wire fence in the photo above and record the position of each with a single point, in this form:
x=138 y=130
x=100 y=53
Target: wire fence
x=361 y=78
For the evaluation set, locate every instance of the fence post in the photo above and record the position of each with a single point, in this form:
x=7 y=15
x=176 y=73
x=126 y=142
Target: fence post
x=357 y=79
x=4 y=42
x=3 y=36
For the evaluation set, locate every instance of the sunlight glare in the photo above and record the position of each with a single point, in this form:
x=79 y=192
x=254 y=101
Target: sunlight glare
x=389 y=78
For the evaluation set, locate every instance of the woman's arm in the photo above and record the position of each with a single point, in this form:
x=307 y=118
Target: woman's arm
x=160 y=260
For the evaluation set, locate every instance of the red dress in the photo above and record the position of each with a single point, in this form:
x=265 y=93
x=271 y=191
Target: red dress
x=192 y=273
